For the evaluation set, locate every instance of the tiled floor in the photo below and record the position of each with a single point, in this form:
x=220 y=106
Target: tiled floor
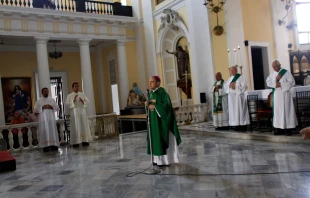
x=100 y=170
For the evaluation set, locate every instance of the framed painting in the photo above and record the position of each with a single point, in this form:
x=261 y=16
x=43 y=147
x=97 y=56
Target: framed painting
x=159 y=1
x=16 y=97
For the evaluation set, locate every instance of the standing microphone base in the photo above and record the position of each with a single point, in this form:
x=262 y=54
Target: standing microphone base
x=153 y=171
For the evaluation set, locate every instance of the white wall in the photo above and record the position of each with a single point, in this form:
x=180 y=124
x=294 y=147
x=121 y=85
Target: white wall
x=143 y=84
x=281 y=34
x=149 y=37
x=235 y=33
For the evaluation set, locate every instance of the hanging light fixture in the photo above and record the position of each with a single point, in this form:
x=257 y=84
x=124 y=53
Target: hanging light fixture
x=216 y=8
x=55 y=54
x=287 y=8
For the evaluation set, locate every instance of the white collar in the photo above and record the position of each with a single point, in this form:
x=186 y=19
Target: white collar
x=155 y=89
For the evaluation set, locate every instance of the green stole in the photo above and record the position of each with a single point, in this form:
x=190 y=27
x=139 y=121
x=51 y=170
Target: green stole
x=237 y=76
x=282 y=72
x=217 y=108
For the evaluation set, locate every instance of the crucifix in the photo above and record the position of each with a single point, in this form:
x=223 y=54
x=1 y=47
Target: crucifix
x=188 y=121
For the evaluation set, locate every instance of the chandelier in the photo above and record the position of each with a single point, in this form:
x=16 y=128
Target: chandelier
x=216 y=8
x=55 y=54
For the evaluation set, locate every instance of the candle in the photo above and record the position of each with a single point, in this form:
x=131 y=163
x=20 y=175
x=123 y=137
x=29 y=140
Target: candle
x=235 y=52
x=228 y=58
x=239 y=56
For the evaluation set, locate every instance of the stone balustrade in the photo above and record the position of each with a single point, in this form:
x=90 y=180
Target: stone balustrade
x=101 y=126
x=196 y=113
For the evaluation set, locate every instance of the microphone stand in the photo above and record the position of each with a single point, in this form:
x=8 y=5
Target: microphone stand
x=147 y=110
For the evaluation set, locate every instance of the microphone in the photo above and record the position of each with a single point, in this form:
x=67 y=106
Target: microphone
x=147 y=92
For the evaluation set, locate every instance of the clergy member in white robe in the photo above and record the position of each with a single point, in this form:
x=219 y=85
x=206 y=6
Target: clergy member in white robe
x=235 y=87
x=281 y=81
x=220 y=103
x=48 y=133
x=79 y=127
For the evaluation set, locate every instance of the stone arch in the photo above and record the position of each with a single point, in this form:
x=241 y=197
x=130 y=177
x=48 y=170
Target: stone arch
x=168 y=37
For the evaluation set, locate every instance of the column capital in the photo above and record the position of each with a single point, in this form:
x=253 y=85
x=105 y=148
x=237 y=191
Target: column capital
x=41 y=40
x=84 y=41
x=121 y=42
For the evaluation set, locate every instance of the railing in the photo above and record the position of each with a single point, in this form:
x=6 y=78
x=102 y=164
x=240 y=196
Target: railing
x=196 y=113
x=101 y=126
x=86 y=6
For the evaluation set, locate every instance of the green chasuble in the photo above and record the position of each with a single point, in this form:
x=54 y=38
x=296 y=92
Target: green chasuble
x=161 y=125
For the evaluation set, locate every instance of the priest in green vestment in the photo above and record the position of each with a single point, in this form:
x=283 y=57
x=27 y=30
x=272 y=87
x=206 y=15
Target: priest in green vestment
x=165 y=135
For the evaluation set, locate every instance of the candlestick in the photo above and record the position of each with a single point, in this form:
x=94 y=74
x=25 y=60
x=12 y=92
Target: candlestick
x=235 y=52
x=239 y=56
x=228 y=58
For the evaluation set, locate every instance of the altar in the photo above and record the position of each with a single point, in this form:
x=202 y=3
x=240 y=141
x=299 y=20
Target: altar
x=263 y=104
x=263 y=94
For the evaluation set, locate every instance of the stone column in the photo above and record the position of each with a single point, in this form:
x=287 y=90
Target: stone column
x=122 y=74
x=42 y=61
x=87 y=78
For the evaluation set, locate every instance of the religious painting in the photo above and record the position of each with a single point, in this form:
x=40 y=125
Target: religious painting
x=159 y=1
x=16 y=97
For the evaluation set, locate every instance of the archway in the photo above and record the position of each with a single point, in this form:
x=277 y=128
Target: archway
x=172 y=32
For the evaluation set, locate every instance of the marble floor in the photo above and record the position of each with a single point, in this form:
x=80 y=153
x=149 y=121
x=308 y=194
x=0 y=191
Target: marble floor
x=100 y=170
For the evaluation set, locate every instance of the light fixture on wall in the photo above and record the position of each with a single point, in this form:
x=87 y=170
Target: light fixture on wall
x=216 y=8
x=55 y=54
x=287 y=8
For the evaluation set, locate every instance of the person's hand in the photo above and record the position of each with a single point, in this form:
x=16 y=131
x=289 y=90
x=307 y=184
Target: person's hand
x=75 y=98
x=279 y=76
x=278 y=85
x=82 y=101
x=232 y=85
x=151 y=107
x=217 y=88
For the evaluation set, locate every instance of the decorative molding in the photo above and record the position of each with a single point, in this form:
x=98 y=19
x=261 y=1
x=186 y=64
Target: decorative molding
x=174 y=5
x=120 y=43
x=170 y=19
x=84 y=41
x=41 y=40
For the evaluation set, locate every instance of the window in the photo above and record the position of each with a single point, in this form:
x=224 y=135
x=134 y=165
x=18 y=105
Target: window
x=303 y=15
x=159 y=1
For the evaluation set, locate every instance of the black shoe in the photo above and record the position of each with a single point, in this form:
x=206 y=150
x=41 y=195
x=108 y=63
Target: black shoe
x=163 y=165
x=242 y=128
x=75 y=145
x=46 y=149
x=154 y=164
x=288 y=132
x=54 y=148
x=237 y=128
x=277 y=132
x=85 y=144
x=225 y=128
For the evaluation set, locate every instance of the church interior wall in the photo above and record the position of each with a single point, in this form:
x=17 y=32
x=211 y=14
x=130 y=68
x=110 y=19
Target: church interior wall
x=258 y=26
x=23 y=64
x=219 y=45
x=163 y=4
x=107 y=85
